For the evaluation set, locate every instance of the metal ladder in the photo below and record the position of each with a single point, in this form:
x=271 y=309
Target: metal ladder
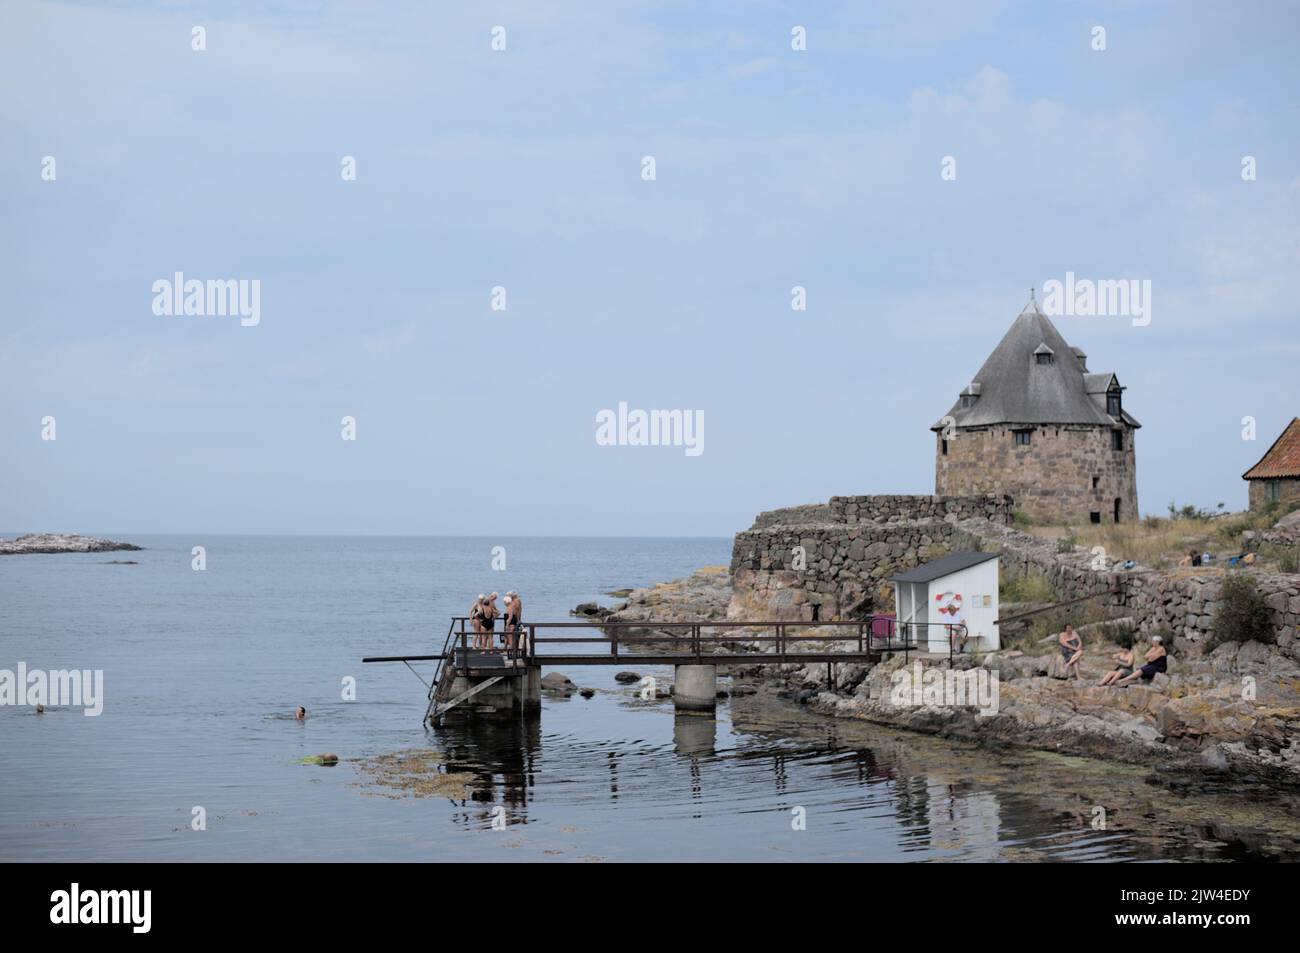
x=443 y=677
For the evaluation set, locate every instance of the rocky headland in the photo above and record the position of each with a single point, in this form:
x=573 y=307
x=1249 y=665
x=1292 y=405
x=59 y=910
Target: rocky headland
x=1223 y=707
x=61 y=543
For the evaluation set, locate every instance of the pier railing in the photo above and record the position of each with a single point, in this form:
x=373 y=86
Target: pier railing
x=700 y=642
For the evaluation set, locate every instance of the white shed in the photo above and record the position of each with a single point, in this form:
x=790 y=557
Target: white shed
x=961 y=588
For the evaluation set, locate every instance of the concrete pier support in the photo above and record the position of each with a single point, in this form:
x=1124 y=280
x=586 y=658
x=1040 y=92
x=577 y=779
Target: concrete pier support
x=512 y=696
x=696 y=688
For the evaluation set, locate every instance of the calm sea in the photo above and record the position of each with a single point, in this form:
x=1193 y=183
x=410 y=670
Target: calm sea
x=203 y=669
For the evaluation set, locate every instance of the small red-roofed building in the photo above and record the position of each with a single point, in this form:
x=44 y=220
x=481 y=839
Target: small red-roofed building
x=1276 y=478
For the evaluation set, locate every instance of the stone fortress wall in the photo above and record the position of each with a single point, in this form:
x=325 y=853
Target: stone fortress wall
x=853 y=544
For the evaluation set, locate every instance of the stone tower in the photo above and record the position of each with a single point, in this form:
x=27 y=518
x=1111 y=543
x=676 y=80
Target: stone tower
x=1035 y=424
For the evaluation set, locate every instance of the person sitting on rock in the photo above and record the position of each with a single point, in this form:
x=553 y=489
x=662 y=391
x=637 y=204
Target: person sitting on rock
x=1156 y=662
x=1123 y=670
x=1071 y=651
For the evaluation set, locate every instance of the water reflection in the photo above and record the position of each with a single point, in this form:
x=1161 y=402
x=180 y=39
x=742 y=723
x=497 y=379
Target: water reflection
x=867 y=793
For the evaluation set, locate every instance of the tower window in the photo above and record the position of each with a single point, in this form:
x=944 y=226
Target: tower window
x=1096 y=481
x=1045 y=357
x=1117 y=440
x=943 y=444
x=968 y=400
x=1095 y=516
x=1022 y=438
x=1112 y=405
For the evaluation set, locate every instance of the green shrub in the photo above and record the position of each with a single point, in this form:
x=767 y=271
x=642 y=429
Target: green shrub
x=1243 y=614
x=1286 y=557
x=1024 y=588
x=1066 y=543
x=1123 y=634
x=1190 y=512
x=1020 y=519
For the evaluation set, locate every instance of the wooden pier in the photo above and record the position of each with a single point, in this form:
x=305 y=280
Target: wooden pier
x=507 y=681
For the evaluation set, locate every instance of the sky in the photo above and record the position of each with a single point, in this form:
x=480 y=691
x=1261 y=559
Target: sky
x=523 y=168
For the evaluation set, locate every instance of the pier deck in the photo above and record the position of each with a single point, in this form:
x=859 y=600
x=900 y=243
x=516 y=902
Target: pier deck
x=697 y=648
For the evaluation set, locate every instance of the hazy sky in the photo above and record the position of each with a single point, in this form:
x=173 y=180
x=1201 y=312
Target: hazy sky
x=523 y=169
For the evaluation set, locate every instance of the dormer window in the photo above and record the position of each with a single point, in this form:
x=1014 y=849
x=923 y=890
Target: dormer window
x=968 y=400
x=970 y=394
x=1044 y=354
x=1112 y=405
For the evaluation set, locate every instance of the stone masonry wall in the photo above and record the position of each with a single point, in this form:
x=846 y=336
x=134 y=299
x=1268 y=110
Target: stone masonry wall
x=849 y=547
x=1051 y=479
x=1258 y=492
x=1183 y=601
x=887 y=508
x=847 y=566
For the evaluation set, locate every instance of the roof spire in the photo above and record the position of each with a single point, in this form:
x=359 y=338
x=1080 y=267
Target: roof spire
x=1032 y=306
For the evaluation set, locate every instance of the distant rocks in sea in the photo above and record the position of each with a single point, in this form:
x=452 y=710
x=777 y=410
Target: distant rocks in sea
x=60 y=543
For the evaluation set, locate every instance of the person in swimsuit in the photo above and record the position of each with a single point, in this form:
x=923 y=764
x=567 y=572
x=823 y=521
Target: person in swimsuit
x=1122 y=670
x=1156 y=662
x=476 y=620
x=490 y=614
x=514 y=612
x=1071 y=651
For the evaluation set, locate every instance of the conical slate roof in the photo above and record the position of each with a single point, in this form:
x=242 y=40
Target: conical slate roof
x=1014 y=388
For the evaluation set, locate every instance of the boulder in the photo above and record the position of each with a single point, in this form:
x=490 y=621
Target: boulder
x=556 y=682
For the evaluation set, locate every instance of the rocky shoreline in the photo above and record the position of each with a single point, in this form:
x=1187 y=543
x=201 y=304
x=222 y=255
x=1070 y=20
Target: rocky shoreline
x=49 y=543
x=1233 y=709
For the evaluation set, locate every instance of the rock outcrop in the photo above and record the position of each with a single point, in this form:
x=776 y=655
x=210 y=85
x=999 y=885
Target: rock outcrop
x=1235 y=708
x=703 y=595
x=60 y=543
